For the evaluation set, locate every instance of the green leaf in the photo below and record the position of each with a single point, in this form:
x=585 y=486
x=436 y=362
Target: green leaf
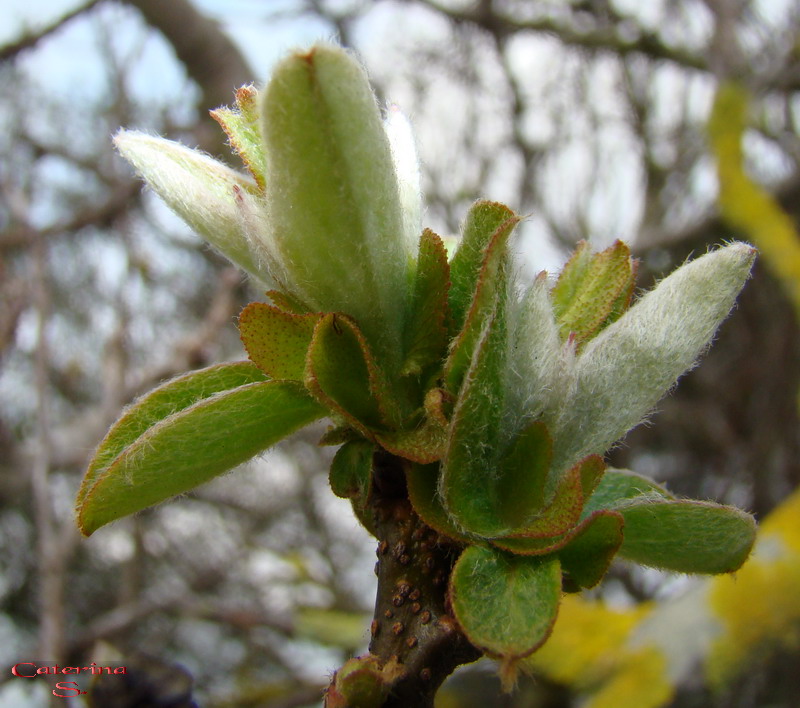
x=468 y=483
x=351 y=469
x=484 y=221
x=351 y=478
x=563 y=512
x=242 y=126
x=505 y=604
x=522 y=475
x=590 y=550
x=422 y=481
x=489 y=293
x=538 y=546
x=686 y=536
x=341 y=373
x=334 y=211
x=276 y=341
x=174 y=396
x=593 y=290
x=426 y=334
x=191 y=446
x=425 y=443
x=617 y=486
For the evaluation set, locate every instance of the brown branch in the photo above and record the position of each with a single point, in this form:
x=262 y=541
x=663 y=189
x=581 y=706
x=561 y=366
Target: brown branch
x=211 y=58
x=30 y=40
x=415 y=638
x=117 y=204
x=192 y=351
x=599 y=39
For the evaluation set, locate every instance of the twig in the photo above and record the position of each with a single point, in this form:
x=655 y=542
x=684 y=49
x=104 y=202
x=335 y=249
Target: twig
x=29 y=40
x=50 y=563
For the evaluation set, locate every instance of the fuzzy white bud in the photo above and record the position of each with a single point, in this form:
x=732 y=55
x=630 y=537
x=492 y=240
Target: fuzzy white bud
x=623 y=372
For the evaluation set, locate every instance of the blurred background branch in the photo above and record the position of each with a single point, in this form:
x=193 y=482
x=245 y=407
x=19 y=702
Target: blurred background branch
x=589 y=116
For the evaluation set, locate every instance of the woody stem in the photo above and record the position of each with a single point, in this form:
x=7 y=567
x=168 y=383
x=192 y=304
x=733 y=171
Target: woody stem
x=412 y=624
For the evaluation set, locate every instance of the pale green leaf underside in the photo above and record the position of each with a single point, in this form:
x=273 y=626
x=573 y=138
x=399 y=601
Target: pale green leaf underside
x=618 y=486
x=687 y=536
x=193 y=445
x=173 y=396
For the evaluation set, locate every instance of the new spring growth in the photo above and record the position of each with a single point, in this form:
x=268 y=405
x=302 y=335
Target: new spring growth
x=329 y=217
x=496 y=401
x=330 y=212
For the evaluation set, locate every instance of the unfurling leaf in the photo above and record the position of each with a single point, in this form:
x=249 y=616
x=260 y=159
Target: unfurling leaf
x=158 y=451
x=202 y=191
x=242 y=126
x=426 y=333
x=342 y=374
x=479 y=282
x=468 y=484
x=593 y=290
x=623 y=371
x=333 y=198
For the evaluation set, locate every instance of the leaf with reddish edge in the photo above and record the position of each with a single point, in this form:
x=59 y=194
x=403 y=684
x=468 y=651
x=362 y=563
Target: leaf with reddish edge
x=242 y=126
x=505 y=604
x=276 y=341
x=192 y=446
x=686 y=536
x=625 y=298
x=422 y=481
x=480 y=228
x=468 y=485
x=617 y=486
x=287 y=303
x=342 y=375
x=540 y=546
x=426 y=331
x=532 y=546
x=565 y=509
x=423 y=444
x=169 y=398
x=593 y=468
x=487 y=283
x=591 y=548
x=593 y=290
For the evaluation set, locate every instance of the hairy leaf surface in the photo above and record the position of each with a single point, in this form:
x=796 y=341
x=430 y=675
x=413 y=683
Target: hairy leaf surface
x=193 y=445
x=505 y=604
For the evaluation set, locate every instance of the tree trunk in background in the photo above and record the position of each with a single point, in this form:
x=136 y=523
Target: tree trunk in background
x=212 y=59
